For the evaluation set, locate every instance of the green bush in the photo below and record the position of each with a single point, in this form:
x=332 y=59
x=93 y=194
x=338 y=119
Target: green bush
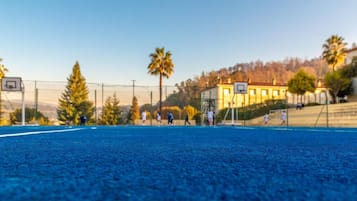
x=252 y=111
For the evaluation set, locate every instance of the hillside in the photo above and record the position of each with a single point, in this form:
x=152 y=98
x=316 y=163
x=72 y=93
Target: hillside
x=49 y=110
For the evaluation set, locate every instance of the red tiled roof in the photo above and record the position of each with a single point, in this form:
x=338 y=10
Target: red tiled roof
x=261 y=84
x=267 y=84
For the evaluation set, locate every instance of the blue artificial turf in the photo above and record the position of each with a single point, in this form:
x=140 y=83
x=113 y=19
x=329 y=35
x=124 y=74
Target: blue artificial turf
x=179 y=163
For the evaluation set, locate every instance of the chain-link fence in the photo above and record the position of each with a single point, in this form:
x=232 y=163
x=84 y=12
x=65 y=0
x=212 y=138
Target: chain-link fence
x=44 y=96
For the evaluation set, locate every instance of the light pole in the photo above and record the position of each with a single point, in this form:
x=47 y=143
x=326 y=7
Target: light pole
x=326 y=102
x=287 y=108
x=133 y=88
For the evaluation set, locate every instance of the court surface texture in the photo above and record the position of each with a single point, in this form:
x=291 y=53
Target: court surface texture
x=177 y=163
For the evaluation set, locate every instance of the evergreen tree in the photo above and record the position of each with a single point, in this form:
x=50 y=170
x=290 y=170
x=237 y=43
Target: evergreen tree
x=111 y=111
x=74 y=100
x=134 y=112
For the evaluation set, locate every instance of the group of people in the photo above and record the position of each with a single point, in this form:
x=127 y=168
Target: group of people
x=300 y=106
x=170 y=118
x=282 y=117
x=210 y=118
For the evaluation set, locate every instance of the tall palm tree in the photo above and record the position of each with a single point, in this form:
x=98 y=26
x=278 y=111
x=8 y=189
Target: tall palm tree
x=162 y=65
x=334 y=51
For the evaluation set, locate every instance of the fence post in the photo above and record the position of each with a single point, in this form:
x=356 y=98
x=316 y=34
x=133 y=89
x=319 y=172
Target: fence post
x=327 y=102
x=95 y=107
x=151 y=113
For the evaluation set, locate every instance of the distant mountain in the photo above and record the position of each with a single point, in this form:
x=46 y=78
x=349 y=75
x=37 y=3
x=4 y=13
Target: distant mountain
x=49 y=110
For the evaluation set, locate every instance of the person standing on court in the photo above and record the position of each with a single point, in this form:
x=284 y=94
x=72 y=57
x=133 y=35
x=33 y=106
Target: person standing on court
x=214 y=118
x=171 y=121
x=169 y=116
x=210 y=118
x=158 y=118
x=186 y=120
x=283 y=117
x=83 y=120
x=143 y=117
x=266 y=118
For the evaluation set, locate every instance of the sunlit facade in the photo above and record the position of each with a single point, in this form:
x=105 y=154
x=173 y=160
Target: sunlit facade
x=350 y=54
x=222 y=96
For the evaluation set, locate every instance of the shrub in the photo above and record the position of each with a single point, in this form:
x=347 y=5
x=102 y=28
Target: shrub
x=252 y=111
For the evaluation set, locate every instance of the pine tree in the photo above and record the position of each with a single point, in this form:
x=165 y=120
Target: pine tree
x=134 y=112
x=111 y=111
x=74 y=100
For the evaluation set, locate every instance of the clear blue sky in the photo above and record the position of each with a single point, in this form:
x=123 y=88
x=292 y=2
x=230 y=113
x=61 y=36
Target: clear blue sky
x=112 y=39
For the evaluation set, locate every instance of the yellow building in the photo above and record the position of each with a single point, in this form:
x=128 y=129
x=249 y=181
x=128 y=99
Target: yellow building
x=350 y=54
x=222 y=96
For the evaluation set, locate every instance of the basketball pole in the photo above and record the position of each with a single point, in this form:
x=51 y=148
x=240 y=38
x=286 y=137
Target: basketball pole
x=23 y=103
x=239 y=88
x=233 y=109
x=15 y=84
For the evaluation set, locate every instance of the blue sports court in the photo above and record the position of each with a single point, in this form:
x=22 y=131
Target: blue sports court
x=178 y=163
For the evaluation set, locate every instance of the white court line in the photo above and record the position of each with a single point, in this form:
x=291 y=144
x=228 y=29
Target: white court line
x=318 y=130
x=282 y=129
x=39 y=132
x=345 y=131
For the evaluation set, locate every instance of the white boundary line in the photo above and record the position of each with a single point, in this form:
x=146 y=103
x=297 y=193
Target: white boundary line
x=38 y=132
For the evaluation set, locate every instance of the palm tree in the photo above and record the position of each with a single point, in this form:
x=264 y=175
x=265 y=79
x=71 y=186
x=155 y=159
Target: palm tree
x=334 y=51
x=162 y=65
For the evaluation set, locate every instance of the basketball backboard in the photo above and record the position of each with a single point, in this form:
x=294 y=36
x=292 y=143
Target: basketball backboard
x=240 y=87
x=11 y=84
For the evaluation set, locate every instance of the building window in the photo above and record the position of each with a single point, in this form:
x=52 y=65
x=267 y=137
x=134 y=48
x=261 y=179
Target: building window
x=276 y=93
x=264 y=92
x=226 y=97
x=252 y=92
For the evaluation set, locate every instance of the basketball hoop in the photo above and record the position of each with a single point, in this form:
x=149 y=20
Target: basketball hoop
x=15 y=84
x=11 y=84
x=240 y=87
